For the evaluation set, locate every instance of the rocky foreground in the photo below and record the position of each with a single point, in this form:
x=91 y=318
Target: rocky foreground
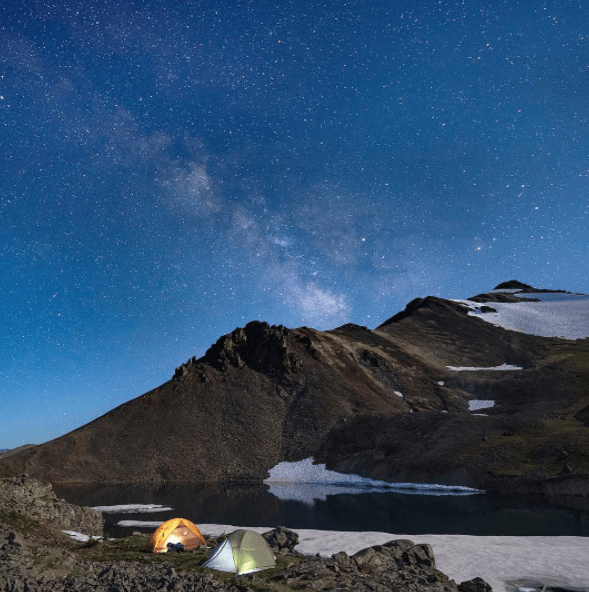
x=36 y=556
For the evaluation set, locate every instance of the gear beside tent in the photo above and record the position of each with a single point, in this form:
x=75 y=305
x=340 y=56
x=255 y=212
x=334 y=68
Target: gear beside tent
x=242 y=552
x=173 y=532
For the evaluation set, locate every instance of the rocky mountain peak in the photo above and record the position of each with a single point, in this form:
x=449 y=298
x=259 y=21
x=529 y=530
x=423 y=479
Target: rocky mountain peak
x=258 y=345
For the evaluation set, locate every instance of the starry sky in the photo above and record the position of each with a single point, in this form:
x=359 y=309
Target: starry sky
x=171 y=170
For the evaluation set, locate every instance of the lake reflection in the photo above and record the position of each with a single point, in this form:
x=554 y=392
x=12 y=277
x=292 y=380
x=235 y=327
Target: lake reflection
x=398 y=513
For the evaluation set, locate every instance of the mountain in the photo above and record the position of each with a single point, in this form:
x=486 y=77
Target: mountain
x=10 y=451
x=390 y=403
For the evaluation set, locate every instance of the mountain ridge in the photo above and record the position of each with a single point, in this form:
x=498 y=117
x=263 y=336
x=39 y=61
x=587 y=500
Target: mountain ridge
x=381 y=403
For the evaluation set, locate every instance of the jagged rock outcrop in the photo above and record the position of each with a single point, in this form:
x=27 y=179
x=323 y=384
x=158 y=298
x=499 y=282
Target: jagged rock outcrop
x=394 y=565
x=37 y=501
x=383 y=403
x=257 y=346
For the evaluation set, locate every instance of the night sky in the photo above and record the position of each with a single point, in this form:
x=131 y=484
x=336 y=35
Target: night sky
x=173 y=170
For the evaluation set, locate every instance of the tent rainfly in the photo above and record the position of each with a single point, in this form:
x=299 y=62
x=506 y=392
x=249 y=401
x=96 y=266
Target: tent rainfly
x=176 y=530
x=242 y=552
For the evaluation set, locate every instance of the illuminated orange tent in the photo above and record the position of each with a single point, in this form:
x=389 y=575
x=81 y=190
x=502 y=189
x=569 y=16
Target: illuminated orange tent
x=176 y=530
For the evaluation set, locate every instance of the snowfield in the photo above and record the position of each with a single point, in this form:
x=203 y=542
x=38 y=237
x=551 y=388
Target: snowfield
x=475 y=404
x=131 y=508
x=557 y=315
x=475 y=368
x=286 y=475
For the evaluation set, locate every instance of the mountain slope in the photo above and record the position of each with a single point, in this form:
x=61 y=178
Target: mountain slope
x=380 y=403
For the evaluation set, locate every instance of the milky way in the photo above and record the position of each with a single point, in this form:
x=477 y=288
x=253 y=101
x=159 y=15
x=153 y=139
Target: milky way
x=173 y=170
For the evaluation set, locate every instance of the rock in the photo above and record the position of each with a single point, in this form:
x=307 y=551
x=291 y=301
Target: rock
x=372 y=557
x=11 y=543
x=282 y=540
x=475 y=585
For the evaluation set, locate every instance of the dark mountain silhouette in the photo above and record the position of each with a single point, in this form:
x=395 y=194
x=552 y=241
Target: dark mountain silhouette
x=381 y=403
x=513 y=285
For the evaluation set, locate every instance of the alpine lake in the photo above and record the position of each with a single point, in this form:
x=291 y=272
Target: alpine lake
x=331 y=508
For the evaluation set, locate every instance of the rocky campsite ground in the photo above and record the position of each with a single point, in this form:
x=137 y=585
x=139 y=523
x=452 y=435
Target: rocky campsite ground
x=36 y=556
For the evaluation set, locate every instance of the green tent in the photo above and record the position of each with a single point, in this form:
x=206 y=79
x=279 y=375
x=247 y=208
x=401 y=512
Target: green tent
x=243 y=551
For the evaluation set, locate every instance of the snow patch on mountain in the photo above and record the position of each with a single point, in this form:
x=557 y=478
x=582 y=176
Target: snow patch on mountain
x=132 y=508
x=474 y=368
x=556 y=315
x=475 y=404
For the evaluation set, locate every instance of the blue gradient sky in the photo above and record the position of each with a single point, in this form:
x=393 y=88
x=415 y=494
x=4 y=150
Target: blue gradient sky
x=173 y=170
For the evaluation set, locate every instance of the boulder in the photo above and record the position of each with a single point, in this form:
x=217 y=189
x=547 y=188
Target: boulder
x=282 y=540
x=475 y=585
